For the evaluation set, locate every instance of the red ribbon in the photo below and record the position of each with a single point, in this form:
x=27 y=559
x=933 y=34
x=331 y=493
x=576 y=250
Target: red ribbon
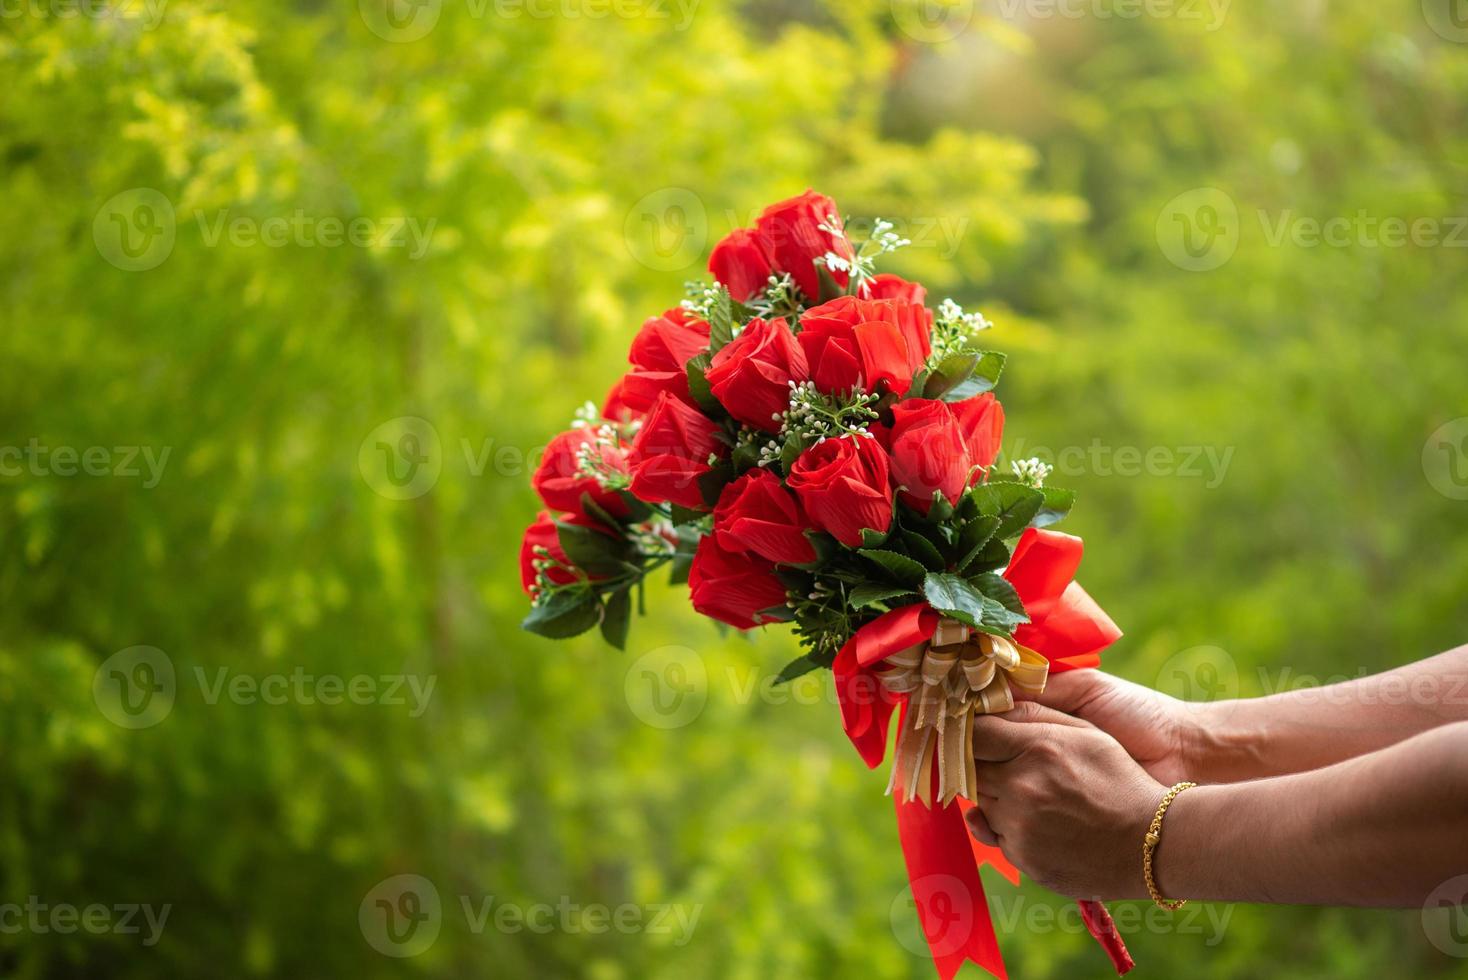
x=943 y=859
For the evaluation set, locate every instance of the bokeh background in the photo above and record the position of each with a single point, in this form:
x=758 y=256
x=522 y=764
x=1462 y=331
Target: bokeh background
x=312 y=455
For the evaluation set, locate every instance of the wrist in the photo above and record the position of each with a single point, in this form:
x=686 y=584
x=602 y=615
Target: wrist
x=1213 y=747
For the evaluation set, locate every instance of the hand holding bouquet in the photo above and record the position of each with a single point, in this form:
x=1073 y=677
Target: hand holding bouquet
x=805 y=441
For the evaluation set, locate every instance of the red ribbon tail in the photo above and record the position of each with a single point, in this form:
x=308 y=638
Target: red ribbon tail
x=946 y=889
x=1100 y=925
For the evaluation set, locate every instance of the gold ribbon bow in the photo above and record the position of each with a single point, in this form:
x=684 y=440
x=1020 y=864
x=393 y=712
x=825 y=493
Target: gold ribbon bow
x=958 y=673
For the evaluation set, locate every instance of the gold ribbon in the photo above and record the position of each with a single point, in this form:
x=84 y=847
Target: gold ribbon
x=960 y=672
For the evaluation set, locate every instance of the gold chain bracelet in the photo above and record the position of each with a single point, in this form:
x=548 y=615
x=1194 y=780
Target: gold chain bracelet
x=1150 y=842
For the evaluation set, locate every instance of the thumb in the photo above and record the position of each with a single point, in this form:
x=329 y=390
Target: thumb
x=1069 y=691
x=1031 y=712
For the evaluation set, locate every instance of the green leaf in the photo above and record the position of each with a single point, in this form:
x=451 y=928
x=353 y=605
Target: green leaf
x=698 y=384
x=953 y=596
x=617 y=618
x=869 y=594
x=984 y=377
x=1013 y=503
x=952 y=371
x=829 y=289
x=975 y=534
x=997 y=587
x=721 y=321
x=685 y=515
x=1057 y=505
x=798 y=667
x=994 y=554
x=591 y=508
x=564 y=613
x=924 y=550
x=873 y=539
x=591 y=551
x=899 y=567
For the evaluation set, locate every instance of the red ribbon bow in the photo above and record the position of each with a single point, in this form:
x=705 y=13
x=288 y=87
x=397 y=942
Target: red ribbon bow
x=943 y=859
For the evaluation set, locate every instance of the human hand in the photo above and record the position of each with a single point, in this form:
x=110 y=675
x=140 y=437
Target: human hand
x=1063 y=800
x=1158 y=731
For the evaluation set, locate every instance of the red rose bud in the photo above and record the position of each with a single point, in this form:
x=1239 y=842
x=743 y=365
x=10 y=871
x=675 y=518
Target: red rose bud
x=843 y=486
x=671 y=452
x=887 y=286
x=928 y=452
x=792 y=232
x=982 y=421
x=616 y=407
x=742 y=262
x=757 y=514
x=544 y=534
x=751 y=375
x=561 y=478
x=731 y=587
x=866 y=344
x=659 y=354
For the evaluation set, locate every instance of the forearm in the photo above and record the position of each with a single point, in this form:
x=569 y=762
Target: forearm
x=1304 y=729
x=1383 y=829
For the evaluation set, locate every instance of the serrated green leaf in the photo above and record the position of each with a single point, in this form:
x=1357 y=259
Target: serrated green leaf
x=721 y=321
x=617 y=618
x=1013 y=503
x=698 y=384
x=994 y=554
x=900 y=567
x=591 y=551
x=798 y=667
x=866 y=595
x=953 y=596
x=924 y=550
x=984 y=377
x=998 y=588
x=950 y=372
x=873 y=539
x=1057 y=505
x=564 y=613
x=975 y=534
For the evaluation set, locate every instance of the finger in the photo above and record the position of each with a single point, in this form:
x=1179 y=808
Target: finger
x=998 y=740
x=979 y=827
x=1030 y=711
x=1069 y=690
x=994 y=779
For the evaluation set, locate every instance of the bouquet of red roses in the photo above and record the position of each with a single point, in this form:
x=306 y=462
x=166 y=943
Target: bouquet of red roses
x=805 y=441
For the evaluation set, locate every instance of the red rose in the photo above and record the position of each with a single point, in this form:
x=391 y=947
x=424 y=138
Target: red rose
x=928 y=452
x=757 y=514
x=560 y=480
x=842 y=484
x=887 y=286
x=742 y=262
x=792 y=232
x=731 y=587
x=671 y=452
x=864 y=343
x=982 y=421
x=751 y=375
x=659 y=354
x=616 y=407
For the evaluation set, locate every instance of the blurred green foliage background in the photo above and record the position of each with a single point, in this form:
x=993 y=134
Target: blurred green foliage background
x=567 y=166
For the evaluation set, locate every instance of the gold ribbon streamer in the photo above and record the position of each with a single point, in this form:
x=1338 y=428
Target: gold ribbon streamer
x=960 y=672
